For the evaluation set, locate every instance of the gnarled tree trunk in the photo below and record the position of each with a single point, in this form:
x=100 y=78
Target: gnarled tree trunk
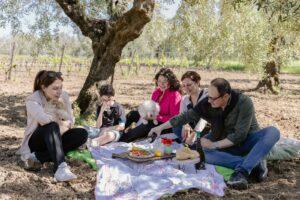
x=270 y=79
x=109 y=37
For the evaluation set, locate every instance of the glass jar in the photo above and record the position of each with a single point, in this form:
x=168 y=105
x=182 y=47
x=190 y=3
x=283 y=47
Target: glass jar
x=168 y=149
x=158 y=148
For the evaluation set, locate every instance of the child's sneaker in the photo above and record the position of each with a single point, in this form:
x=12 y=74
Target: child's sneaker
x=63 y=173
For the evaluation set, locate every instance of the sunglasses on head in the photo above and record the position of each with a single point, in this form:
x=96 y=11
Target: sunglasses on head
x=54 y=74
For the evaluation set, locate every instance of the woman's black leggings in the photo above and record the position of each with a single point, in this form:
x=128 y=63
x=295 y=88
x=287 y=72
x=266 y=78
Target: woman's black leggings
x=49 y=145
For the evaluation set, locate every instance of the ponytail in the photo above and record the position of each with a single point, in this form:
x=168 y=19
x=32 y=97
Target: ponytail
x=37 y=81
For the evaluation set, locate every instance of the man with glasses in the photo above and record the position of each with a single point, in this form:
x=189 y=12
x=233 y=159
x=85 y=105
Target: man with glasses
x=236 y=140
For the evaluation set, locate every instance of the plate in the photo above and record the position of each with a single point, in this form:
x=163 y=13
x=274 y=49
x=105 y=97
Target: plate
x=141 y=154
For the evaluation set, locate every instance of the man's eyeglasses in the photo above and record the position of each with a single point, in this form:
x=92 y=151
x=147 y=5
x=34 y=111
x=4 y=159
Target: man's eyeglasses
x=213 y=99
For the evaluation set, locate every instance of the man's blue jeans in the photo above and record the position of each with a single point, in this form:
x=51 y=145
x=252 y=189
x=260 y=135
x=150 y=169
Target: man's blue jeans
x=177 y=131
x=246 y=155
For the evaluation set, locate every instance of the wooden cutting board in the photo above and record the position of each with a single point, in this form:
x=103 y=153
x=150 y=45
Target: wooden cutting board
x=141 y=160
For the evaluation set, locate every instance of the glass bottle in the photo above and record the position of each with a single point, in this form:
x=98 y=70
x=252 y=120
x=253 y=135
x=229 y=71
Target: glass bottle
x=158 y=148
x=199 y=149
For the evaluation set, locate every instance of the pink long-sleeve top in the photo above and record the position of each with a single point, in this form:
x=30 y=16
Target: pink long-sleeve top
x=169 y=103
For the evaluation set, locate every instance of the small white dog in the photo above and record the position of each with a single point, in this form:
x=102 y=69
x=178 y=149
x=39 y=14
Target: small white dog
x=148 y=110
x=58 y=111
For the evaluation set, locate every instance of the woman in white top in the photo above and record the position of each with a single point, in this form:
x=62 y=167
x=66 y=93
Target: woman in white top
x=190 y=82
x=49 y=134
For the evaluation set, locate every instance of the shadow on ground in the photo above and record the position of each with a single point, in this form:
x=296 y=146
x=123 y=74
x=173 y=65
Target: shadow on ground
x=12 y=110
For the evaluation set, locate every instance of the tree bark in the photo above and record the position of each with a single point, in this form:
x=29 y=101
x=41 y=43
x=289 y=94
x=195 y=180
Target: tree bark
x=270 y=79
x=12 y=53
x=109 y=37
x=61 y=57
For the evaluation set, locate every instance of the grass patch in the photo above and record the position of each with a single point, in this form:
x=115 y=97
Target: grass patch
x=84 y=121
x=231 y=66
x=70 y=63
x=291 y=70
x=292 y=67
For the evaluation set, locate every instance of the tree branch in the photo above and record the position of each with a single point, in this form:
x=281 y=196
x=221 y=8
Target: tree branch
x=92 y=28
x=131 y=24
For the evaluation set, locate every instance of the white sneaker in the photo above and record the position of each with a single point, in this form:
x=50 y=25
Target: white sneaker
x=32 y=163
x=63 y=173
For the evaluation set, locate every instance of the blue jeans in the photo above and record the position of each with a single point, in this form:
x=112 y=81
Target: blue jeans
x=177 y=131
x=246 y=155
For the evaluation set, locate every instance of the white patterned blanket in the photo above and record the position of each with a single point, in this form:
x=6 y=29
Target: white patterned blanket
x=126 y=180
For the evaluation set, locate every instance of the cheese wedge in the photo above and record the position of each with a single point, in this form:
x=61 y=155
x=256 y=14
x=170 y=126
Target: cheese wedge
x=186 y=153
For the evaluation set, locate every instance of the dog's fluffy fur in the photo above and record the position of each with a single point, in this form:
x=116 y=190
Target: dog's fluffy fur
x=58 y=111
x=148 y=110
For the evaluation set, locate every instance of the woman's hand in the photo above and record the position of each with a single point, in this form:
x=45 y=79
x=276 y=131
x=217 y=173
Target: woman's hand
x=159 y=129
x=156 y=130
x=186 y=129
x=67 y=124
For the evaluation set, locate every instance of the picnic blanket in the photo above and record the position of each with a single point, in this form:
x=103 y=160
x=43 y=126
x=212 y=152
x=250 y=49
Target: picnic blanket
x=124 y=179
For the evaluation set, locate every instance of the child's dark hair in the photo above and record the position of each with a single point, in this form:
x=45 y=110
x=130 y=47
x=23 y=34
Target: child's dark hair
x=45 y=78
x=107 y=90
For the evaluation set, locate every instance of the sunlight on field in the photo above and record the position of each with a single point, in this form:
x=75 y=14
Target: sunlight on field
x=82 y=64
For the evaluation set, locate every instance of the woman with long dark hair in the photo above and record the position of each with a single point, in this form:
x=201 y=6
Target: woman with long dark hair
x=49 y=134
x=168 y=97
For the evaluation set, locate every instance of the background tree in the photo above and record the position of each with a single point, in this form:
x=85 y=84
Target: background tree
x=109 y=37
x=109 y=24
x=197 y=32
x=283 y=19
x=251 y=34
x=210 y=33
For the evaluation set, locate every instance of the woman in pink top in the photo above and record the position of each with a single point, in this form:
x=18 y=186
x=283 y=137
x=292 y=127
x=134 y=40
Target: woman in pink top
x=168 y=97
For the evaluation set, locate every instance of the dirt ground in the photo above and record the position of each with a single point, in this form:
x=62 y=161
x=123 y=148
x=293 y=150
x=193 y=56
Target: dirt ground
x=282 y=111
